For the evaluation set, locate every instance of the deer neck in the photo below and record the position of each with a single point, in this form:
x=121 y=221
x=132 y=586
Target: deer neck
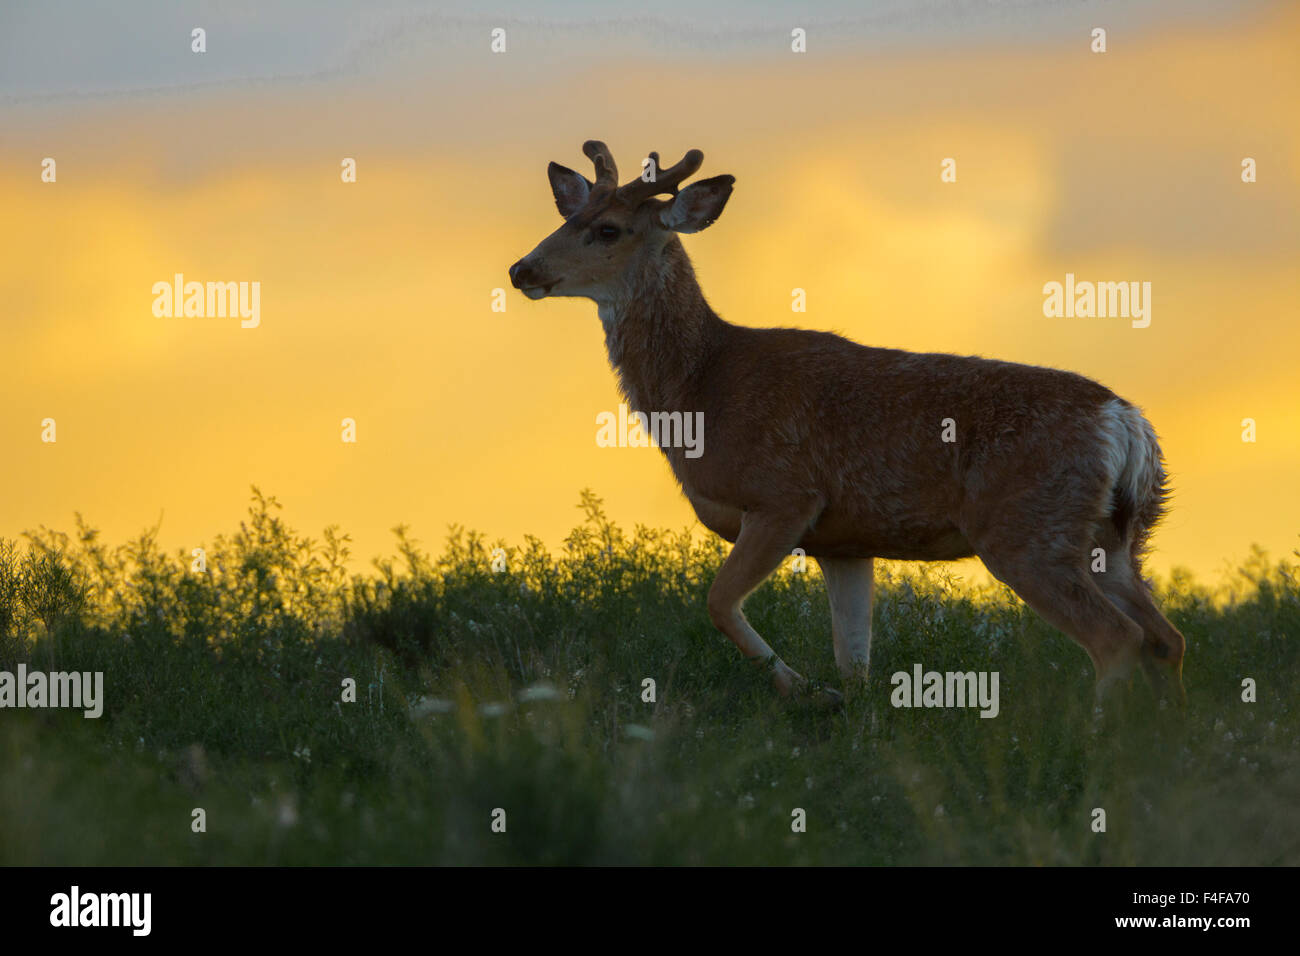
x=659 y=332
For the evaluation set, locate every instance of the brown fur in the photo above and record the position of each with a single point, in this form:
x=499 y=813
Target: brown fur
x=814 y=441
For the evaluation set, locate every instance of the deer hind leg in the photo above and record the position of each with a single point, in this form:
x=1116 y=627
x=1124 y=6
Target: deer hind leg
x=850 y=585
x=1061 y=590
x=1162 y=643
x=765 y=540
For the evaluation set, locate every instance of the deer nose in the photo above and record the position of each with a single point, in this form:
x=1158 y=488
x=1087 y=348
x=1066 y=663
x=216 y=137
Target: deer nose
x=521 y=274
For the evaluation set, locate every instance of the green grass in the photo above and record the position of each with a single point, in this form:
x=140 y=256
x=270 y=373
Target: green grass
x=224 y=691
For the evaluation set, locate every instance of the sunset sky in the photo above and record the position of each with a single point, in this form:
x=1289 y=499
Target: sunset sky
x=376 y=296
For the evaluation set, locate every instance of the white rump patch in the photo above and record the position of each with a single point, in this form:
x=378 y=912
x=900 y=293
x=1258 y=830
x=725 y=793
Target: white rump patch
x=1129 y=452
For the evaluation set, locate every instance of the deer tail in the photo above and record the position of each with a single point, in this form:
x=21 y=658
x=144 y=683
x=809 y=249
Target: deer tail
x=1139 y=482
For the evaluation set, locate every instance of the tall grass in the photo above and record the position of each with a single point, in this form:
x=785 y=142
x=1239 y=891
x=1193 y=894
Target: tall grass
x=523 y=690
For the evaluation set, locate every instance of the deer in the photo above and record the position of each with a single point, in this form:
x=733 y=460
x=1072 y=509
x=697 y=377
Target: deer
x=814 y=441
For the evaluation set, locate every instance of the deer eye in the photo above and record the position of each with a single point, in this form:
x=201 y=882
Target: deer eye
x=607 y=233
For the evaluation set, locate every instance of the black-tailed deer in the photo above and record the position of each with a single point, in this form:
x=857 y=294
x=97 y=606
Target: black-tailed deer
x=816 y=442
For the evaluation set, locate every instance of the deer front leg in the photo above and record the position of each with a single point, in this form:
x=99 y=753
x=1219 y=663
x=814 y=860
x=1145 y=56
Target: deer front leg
x=765 y=539
x=850 y=585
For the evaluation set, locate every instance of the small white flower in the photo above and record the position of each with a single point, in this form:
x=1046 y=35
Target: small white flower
x=286 y=813
x=428 y=706
x=539 y=691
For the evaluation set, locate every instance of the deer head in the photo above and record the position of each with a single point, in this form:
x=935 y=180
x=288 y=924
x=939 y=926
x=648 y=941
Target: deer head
x=612 y=235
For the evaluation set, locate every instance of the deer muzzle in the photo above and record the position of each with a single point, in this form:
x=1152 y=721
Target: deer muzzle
x=531 y=280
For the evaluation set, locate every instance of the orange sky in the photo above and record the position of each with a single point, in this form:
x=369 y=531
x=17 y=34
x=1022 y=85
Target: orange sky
x=375 y=297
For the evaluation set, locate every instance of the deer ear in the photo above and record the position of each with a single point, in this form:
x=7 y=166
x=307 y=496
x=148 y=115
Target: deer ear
x=698 y=205
x=570 y=189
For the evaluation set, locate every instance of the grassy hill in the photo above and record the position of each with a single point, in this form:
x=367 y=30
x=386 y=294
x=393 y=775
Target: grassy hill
x=522 y=690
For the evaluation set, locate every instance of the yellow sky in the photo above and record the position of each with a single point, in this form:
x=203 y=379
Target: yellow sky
x=375 y=297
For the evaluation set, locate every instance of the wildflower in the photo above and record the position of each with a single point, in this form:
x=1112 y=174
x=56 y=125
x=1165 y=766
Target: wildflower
x=428 y=706
x=286 y=813
x=539 y=691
